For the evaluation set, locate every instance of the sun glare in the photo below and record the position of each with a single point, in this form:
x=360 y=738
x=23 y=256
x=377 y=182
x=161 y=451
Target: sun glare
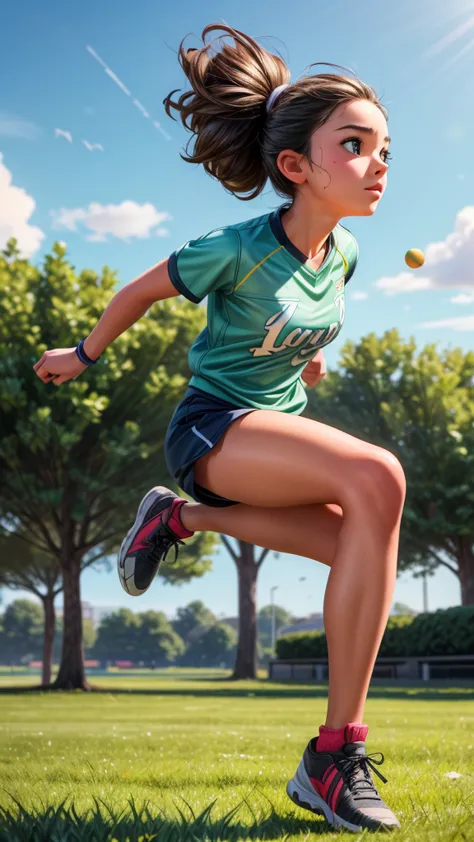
x=457 y=42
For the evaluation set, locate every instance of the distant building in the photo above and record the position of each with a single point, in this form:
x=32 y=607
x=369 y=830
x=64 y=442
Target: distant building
x=94 y=612
x=233 y=622
x=315 y=622
x=307 y=624
x=87 y=611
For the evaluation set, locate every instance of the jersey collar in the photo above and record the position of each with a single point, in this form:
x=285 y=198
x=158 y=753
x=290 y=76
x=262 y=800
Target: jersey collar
x=280 y=234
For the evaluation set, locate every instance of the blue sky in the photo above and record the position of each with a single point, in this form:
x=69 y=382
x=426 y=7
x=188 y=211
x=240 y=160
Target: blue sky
x=81 y=76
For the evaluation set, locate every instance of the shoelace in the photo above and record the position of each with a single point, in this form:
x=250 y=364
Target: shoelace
x=163 y=538
x=353 y=765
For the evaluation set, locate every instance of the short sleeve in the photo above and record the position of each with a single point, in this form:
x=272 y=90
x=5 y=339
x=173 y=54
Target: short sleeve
x=206 y=264
x=352 y=256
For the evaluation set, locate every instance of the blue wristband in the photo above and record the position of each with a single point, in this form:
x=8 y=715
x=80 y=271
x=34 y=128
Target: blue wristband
x=85 y=360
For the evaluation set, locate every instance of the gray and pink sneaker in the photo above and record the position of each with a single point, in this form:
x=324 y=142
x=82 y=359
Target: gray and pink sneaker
x=157 y=528
x=339 y=785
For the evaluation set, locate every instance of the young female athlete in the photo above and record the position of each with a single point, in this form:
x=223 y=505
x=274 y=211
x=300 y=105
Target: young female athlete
x=236 y=443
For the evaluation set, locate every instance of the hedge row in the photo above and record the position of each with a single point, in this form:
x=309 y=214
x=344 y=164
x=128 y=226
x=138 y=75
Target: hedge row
x=447 y=631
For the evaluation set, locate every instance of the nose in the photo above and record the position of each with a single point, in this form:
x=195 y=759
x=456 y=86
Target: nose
x=382 y=166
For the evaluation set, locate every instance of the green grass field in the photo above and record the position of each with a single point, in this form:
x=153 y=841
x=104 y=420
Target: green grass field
x=192 y=759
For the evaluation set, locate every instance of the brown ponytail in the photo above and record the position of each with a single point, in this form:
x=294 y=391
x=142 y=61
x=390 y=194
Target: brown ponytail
x=234 y=138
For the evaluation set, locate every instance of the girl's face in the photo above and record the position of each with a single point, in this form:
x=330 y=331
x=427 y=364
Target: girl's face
x=347 y=161
x=344 y=162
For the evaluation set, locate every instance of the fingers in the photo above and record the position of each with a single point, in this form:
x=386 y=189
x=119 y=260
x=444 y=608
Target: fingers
x=39 y=363
x=48 y=376
x=58 y=366
x=43 y=372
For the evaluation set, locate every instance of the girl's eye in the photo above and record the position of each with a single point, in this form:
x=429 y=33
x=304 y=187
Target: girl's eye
x=352 y=140
x=356 y=141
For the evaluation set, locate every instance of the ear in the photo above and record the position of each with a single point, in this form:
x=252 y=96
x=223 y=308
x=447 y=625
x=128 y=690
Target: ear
x=291 y=165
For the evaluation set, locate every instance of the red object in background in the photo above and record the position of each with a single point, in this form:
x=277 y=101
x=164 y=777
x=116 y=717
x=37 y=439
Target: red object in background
x=39 y=664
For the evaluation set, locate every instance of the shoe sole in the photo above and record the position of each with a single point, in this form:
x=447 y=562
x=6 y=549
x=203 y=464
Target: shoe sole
x=310 y=800
x=148 y=499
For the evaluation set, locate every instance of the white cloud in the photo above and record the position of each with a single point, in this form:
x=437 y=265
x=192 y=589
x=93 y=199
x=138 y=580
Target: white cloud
x=459 y=323
x=16 y=127
x=128 y=219
x=358 y=295
x=16 y=208
x=62 y=133
x=92 y=146
x=463 y=298
x=448 y=264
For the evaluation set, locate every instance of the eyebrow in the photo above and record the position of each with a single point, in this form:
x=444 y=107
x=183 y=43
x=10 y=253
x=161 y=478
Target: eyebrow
x=367 y=129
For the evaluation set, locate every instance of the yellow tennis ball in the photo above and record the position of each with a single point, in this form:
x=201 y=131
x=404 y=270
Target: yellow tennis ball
x=414 y=258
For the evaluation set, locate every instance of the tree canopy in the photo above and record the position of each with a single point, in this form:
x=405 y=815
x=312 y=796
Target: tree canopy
x=76 y=459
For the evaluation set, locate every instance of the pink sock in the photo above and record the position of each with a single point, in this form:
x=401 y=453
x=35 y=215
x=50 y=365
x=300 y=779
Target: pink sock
x=174 y=520
x=332 y=739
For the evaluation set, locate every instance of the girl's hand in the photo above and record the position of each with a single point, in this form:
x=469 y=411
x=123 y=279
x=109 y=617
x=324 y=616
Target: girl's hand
x=58 y=366
x=315 y=370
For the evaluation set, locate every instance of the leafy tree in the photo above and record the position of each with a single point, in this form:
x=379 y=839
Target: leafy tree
x=147 y=636
x=76 y=460
x=22 y=630
x=421 y=407
x=117 y=636
x=89 y=634
x=21 y=635
x=192 y=618
x=157 y=641
x=212 y=647
x=89 y=637
x=282 y=618
x=24 y=567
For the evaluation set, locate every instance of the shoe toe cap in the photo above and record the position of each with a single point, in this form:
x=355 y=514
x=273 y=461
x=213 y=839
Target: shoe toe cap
x=383 y=815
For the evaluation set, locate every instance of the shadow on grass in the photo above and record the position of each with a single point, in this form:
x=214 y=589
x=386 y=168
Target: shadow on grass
x=262 y=688
x=104 y=824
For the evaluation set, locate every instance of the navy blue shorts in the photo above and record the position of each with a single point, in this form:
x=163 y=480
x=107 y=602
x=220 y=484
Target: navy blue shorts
x=197 y=424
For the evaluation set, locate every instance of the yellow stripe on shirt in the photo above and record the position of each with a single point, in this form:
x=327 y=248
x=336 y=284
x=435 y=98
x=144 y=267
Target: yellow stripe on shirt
x=256 y=267
x=344 y=261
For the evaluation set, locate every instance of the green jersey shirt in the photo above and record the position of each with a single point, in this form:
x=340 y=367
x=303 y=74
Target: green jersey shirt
x=268 y=312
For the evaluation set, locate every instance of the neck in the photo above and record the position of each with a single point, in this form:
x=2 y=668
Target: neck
x=308 y=225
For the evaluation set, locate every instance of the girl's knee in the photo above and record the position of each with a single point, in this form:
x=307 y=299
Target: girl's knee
x=380 y=485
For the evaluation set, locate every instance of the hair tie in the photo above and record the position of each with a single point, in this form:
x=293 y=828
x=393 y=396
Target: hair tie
x=275 y=94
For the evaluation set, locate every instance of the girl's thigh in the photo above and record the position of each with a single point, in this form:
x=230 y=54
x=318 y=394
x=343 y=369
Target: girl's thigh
x=270 y=458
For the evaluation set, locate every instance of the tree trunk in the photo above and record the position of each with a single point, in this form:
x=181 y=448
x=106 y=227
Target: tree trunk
x=71 y=675
x=48 y=635
x=246 y=661
x=466 y=568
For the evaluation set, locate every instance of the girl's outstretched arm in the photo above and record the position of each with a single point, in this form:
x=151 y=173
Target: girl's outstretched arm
x=126 y=307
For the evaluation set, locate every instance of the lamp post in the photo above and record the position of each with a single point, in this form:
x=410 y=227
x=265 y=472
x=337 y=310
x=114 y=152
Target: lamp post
x=275 y=588
x=425 y=593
